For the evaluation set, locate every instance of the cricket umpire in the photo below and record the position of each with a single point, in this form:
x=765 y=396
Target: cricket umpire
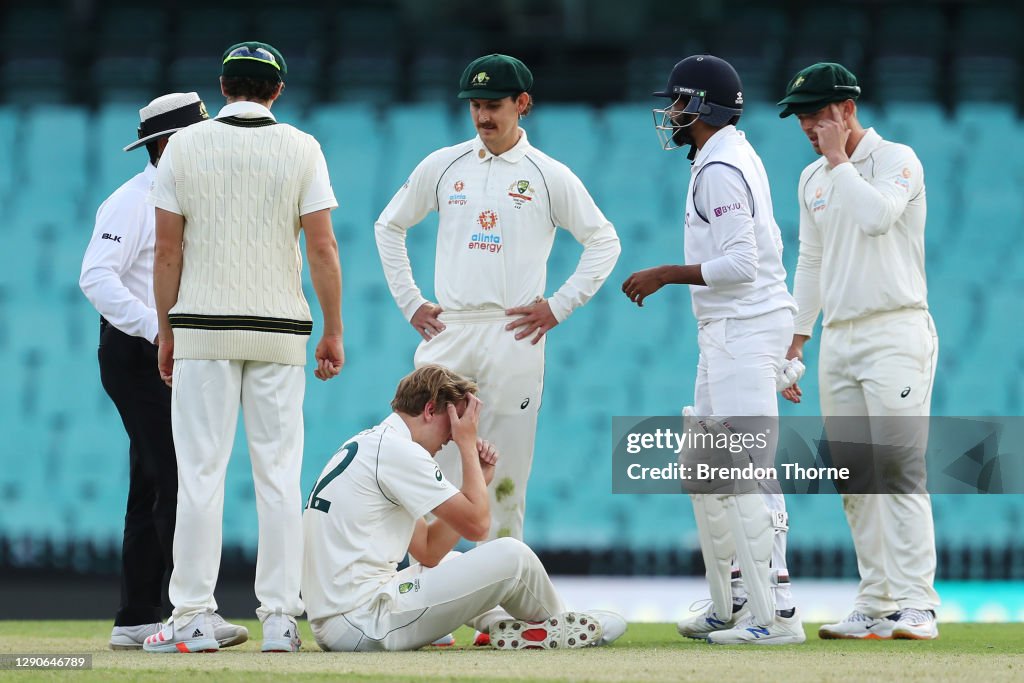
x=117 y=278
x=862 y=222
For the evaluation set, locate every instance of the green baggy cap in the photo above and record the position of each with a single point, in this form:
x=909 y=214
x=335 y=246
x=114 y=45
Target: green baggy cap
x=817 y=86
x=494 y=76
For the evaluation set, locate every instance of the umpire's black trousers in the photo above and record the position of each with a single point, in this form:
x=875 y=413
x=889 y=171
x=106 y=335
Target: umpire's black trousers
x=130 y=377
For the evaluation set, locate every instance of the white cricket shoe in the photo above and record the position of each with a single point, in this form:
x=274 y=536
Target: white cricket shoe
x=226 y=633
x=194 y=636
x=280 y=633
x=132 y=637
x=444 y=641
x=859 y=626
x=706 y=621
x=783 y=631
x=612 y=625
x=916 y=624
x=568 y=630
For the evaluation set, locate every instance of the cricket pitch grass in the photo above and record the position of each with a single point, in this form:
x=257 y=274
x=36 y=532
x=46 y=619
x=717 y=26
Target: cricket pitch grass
x=647 y=652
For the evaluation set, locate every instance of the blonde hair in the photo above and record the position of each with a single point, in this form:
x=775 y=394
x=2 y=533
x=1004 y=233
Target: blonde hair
x=430 y=383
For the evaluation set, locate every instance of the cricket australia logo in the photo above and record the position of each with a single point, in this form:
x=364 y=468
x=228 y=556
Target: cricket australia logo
x=481 y=78
x=486 y=241
x=407 y=586
x=521 y=192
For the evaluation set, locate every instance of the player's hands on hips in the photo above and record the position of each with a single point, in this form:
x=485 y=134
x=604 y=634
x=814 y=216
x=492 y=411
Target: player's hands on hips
x=536 y=317
x=642 y=284
x=488 y=459
x=426 y=322
x=832 y=134
x=464 y=428
x=165 y=358
x=330 y=357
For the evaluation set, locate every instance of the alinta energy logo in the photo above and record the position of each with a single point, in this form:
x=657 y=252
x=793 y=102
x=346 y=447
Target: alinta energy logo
x=819 y=202
x=457 y=198
x=486 y=241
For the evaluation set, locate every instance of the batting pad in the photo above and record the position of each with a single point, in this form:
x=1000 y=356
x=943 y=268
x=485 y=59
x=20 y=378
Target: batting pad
x=717 y=548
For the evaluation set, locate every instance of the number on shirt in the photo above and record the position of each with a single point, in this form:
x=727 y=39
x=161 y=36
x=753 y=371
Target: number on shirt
x=322 y=504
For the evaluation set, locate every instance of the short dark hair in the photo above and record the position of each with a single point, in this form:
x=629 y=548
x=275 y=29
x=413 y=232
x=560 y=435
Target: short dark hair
x=250 y=88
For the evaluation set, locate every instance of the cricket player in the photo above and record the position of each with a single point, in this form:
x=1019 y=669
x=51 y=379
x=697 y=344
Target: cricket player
x=117 y=278
x=366 y=511
x=862 y=219
x=500 y=201
x=232 y=195
x=733 y=253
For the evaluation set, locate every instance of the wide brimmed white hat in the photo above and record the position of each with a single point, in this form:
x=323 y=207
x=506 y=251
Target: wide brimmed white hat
x=168 y=114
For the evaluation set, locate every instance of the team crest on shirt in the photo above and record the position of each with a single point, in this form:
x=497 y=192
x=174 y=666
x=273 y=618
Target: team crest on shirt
x=521 y=192
x=407 y=586
x=819 y=203
x=486 y=241
x=457 y=198
x=437 y=473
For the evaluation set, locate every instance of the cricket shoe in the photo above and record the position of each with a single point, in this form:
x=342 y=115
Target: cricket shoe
x=481 y=639
x=916 y=624
x=280 y=633
x=567 y=630
x=194 y=636
x=132 y=637
x=444 y=641
x=226 y=633
x=785 y=630
x=706 y=621
x=860 y=626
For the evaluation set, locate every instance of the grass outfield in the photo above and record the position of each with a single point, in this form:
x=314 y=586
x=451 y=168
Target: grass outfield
x=648 y=652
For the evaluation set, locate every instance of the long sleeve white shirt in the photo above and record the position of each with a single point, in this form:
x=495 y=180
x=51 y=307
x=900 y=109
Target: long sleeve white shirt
x=497 y=221
x=731 y=232
x=861 y=235
x=117 y=271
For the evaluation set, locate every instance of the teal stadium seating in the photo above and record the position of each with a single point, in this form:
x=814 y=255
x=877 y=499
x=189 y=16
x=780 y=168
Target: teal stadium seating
x=63 y=466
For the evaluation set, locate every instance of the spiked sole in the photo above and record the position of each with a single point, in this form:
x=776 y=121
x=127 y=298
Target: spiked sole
x=569 y=630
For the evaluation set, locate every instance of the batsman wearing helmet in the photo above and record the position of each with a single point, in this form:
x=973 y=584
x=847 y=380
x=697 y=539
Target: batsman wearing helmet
x=733 y=265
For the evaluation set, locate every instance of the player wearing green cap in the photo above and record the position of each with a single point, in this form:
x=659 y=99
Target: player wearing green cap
x=500 y=201
x=231 y=196
x=862 y=220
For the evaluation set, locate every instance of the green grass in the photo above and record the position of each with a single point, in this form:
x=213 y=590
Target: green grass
x=648 y=652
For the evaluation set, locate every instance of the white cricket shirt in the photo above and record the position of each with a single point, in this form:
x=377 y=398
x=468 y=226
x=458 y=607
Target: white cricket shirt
x=497 y=221
x=117 y=271
x=861 y=235
x=361 y=514
x=731 y=232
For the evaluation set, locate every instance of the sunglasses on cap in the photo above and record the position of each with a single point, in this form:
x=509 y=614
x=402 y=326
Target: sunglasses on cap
x=258 y=54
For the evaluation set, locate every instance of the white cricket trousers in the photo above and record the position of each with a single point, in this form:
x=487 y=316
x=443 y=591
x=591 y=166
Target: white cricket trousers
x=884 y=365
x=736 y=370
x=204 y=414
x=510 y=375
x=419 y=605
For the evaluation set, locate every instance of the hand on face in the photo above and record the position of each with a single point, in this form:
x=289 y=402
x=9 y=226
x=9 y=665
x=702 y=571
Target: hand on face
x=832 y=133
x=464 y=428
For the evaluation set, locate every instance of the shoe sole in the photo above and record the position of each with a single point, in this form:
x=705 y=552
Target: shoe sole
x=124 y=646
x=234 y=640
x=279 y=646
x=906 y=635
x=185 y=647
x=570 y=630
x=788 y=640
x=834 y=635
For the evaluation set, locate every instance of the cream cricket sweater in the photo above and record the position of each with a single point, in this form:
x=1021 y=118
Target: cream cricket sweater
x=240 y=182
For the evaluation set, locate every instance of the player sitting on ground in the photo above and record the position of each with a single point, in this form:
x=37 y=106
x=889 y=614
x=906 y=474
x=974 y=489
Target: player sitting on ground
x=366 y=510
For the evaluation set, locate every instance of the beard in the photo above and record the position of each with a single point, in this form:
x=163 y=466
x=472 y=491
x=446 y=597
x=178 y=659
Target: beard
x=682 y=137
